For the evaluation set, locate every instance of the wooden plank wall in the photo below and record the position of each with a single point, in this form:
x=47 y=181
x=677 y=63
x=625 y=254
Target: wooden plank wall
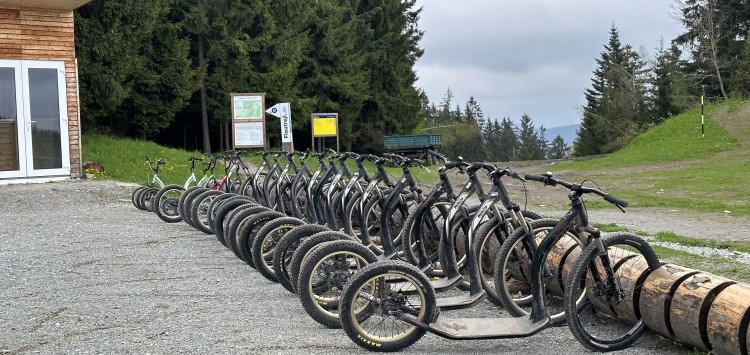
x=8 y=146
x=30 y=34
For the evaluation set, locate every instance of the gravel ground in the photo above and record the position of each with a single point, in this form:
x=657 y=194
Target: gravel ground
x=82 y=271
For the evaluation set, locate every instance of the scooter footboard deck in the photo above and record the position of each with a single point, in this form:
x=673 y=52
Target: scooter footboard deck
x=486 y=328
x=464 y=300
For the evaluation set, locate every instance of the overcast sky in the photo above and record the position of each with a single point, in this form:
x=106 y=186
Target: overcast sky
x=529 y=56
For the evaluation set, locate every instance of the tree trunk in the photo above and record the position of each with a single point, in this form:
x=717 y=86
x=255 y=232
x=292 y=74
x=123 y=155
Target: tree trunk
x=204 y=103
x=713 y=38
x=227 y=137
x=221 y=137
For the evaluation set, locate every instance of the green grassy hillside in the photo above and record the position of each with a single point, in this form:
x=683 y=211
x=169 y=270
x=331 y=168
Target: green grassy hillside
x=672 y=166
x=125 y=159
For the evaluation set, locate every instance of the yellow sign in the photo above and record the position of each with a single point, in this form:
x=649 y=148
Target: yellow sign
x=324 y=126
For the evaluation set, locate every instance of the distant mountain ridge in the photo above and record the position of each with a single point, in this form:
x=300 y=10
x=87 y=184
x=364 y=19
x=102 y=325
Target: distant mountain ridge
x=568 y=133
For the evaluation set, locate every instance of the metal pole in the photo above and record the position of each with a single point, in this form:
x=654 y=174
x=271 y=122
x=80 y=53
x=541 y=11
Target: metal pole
x=703 y=92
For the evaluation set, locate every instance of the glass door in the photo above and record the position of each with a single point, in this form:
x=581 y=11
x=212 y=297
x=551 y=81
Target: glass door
x=12 y=163
x=39 y=116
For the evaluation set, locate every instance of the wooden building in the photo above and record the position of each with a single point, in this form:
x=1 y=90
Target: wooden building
x=39 y=119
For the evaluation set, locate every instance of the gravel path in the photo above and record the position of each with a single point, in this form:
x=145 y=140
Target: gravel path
x=82 y=271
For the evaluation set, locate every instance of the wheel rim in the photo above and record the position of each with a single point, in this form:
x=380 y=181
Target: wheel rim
x=328 y=279
x=383 y=325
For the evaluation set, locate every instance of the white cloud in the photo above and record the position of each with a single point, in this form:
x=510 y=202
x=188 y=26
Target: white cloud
x=534 y=56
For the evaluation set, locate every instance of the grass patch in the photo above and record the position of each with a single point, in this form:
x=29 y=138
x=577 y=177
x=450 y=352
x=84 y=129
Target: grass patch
x=678 y=138
x=125 y=159
x=669 y=237
x=610 y=227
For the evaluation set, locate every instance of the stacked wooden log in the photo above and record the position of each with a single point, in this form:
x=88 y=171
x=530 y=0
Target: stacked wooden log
x=701 y=310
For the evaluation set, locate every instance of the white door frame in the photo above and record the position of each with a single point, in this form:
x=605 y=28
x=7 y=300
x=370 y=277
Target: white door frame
x=25 y=121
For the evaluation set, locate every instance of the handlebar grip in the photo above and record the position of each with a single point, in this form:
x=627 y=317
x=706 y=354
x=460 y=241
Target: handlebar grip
x=615 y=201
x=394 y=157
x=436 y=154
x=483 y=165
x=534 y=177
x=362 y=157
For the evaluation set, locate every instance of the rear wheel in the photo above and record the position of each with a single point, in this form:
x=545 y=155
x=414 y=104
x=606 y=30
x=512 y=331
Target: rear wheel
x=377 y=298
x=513 y=270
x=370 y=223
x=609 y=318
x=429 y=224
x=488 y=239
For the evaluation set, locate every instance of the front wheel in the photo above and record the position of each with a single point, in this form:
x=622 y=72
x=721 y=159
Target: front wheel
x=377 y=299
x=266 y=241
x=608 y=319
x=324 y=273
x=147 y=198
x=165 y=203
x=134 y=196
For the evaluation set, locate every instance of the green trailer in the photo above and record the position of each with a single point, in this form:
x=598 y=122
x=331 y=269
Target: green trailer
x=413 y=145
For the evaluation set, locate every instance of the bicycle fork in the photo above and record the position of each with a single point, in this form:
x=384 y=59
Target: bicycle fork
x=611 y=288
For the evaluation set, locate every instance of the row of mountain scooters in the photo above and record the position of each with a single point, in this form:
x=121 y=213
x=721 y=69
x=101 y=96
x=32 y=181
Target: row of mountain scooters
x=369 y=252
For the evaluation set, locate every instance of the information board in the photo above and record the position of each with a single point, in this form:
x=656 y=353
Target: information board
x=248 y=120
x=325 y=124
x=249 y=134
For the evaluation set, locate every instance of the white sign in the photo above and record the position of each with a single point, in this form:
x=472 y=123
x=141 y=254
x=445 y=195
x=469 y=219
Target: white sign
x=248 y=134
x=282 y=110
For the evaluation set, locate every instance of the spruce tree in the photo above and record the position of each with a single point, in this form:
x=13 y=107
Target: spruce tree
x=665 y=74
x=714 y=30
x=134 y=69
x=615 y=103
x=529 y=147
x=389 y=41
x=741 y=77
x=508 y=140
x=558 y=149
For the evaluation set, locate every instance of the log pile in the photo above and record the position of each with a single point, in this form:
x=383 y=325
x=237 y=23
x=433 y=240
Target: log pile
x=707 y=312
